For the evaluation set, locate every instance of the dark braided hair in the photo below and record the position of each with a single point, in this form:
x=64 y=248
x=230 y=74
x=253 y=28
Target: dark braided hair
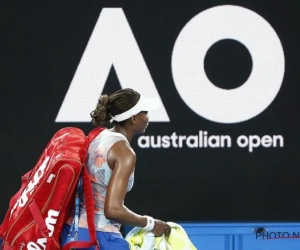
x=115 y=104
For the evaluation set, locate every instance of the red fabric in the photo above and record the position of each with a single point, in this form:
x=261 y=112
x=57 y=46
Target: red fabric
x=48 y=192
x=36 y=214
x=24 y=180
x=7 y=247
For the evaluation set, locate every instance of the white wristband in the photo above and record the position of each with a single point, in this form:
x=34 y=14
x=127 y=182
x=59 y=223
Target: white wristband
x=150 y=224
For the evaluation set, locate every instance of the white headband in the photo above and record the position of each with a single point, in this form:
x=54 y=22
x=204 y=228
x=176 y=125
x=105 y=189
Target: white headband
x=144 y=104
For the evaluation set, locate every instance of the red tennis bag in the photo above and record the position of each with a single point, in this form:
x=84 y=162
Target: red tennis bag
x=38 y=212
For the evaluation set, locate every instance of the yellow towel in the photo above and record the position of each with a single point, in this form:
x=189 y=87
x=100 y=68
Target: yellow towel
x=140 y=239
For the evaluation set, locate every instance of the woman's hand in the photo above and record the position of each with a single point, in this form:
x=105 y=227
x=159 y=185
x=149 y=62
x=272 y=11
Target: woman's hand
x=161 y=228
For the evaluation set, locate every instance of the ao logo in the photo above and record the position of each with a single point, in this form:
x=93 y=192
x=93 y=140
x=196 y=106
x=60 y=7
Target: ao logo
x=112 y=43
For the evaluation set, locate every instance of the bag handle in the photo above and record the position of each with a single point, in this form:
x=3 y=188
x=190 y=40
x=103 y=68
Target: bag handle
x=90 y=211
x=89 y=202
